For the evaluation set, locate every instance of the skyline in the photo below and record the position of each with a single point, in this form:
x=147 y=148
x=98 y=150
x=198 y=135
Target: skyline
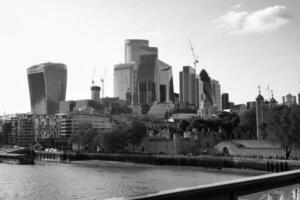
x=233 y=40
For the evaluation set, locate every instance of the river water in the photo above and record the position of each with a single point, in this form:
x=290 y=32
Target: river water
x=102 y=179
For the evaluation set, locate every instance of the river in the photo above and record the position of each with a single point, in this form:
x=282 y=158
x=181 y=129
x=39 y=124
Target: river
x=102 y=179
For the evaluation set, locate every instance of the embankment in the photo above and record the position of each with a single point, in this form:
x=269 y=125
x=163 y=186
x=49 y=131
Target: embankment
x=179 y=160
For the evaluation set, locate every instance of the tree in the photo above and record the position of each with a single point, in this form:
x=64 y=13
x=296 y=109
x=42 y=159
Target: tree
x=282 y=125
x=113 y=141
x=229 y=122
x=183 y=125
x=84 y=136
x=136 y=132
x=248 y=124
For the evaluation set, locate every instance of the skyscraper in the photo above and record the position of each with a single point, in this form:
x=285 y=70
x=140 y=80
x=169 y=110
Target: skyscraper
x=146 y=79
x=143 y=78
x=123 y=81
x=135 y=48
x=225 y=101
x=207 y=106
x=47 y=86
x=191 y=87
x=166 y=87
x=216 y=89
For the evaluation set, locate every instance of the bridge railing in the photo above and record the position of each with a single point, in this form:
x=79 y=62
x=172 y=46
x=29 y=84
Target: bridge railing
x=283 y=185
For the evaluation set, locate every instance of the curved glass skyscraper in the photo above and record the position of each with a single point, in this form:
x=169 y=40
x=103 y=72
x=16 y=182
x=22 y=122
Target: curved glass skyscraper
x=47 y=86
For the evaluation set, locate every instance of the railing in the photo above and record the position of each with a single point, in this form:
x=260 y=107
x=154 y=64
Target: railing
x=283 y=186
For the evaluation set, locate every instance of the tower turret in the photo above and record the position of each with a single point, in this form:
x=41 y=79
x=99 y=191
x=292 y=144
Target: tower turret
x=259 y=114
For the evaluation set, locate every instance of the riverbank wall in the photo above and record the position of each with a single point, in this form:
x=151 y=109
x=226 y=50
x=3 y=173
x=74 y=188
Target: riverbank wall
x=271 y=165
x=17 y=158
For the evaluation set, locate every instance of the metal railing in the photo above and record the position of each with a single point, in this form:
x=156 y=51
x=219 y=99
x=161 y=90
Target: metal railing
x=283 y=185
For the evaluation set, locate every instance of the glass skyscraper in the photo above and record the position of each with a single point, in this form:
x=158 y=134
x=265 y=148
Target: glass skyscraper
x=47 y=87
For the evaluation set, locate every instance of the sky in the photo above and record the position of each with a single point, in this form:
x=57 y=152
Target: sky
x=242 y=43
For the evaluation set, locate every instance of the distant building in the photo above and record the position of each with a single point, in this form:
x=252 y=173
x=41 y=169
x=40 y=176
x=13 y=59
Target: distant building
x=216 y=89
x=123 y=81
x=225 y=101
x=166 y=86
x=207 y=106
x=95 y=93
x=251 y=105
x=47 y=87
x=289 y=100
x=143 y=79
x=134 y=48
x=239 y=109
x=299 y=98
x=147 y=80
x=191 y=87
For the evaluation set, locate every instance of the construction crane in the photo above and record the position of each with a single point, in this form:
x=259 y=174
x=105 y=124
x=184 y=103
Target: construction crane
x=102 y=81
x=194 y=56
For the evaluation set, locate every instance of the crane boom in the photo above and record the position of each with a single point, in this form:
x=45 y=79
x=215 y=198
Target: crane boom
x=194 y=56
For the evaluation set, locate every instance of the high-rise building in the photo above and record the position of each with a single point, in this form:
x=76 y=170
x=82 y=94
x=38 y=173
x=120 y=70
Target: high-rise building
x=123 y=81
x=166 y=87
x=47 y=87
x=143 y=79
x=135 y=48
x=225 y=101
x=207 y=106
x=299 y=98
x=216 y=89
x=191 y=87
x=147 y=79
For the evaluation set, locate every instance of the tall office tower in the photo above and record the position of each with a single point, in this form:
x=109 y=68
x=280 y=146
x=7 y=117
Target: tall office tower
x=135 y=48
x=147 y=79
x=225 y=101
x=208 y=101
x=143 y=78
x=187 y=85
x=47 y=86
x=165 y=87
x=191 y=87
x=123 y=81
x=299 y=98
x=216 y=88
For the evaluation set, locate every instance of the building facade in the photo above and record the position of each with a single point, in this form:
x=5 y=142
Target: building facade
x=191 y=87
x=225 y=101
x=216 y=90
x=47 y=86
x=123 y=81
x=143 y=79
x=289 y=100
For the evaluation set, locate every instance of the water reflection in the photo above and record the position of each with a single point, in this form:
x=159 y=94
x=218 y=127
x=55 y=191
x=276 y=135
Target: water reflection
x=102 y=179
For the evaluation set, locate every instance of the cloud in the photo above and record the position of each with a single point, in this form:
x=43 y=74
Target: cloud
x=236 y=6
x=260 y=21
